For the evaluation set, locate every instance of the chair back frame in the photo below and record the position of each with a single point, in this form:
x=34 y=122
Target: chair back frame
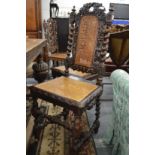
x=50 y=33
x=96 y=64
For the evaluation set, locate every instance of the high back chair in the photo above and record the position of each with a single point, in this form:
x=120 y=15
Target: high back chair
x=78 y=53
x=87 y=40
x=50 y=31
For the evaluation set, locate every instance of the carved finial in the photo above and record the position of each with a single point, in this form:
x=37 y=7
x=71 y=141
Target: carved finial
x=72 y=15
x=73 y=10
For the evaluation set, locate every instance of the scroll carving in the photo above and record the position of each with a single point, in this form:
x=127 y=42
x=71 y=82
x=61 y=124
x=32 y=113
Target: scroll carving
x=88 y=39
x=50 y=31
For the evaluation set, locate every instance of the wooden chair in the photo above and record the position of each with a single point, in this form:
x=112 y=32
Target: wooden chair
x=119 y=51
x=50 y=31
x=60 y=70
x=87 y=44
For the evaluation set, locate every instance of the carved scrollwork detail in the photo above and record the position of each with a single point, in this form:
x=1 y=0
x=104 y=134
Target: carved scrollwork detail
x=50 y=33
x=100 y=54
x=93 y=9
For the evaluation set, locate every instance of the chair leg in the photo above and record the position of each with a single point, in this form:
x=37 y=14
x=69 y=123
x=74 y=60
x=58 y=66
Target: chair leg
x=77 y=127
x=80 y=137
x=35 y=107
x=49 y=70
x=34 y=112
x=39 y=119
x=97 y=114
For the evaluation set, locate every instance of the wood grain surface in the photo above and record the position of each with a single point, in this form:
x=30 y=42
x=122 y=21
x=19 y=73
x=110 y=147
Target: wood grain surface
x=33 y=18
x=72 y=89
x=33 y=49
x=58 y=56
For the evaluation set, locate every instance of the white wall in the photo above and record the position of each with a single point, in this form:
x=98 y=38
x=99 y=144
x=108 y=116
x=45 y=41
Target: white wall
x=66 y=6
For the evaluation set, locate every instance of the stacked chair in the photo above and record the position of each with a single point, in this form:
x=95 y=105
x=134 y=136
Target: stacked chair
x=50 y=31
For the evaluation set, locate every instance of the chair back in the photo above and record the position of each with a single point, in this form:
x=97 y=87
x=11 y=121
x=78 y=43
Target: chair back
x=119 y=47
x=88 y=39
x=50 y=33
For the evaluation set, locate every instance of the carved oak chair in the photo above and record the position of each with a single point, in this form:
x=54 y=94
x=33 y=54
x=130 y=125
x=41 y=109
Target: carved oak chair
x=72 y=41
x=50 y=31
x=119 y=51
x=87 y=45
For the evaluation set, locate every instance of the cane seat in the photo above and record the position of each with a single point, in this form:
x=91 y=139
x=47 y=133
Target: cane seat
x=61 y=70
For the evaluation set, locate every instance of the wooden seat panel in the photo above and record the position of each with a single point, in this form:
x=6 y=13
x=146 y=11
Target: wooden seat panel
x=68 y=88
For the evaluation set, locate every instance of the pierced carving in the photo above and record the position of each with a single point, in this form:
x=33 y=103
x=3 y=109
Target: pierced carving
x=96 y=66
x=75 y=34
x=50 y=32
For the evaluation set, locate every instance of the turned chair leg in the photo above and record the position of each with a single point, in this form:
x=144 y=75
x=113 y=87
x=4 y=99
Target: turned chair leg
x=77 y=127
x=39 y=118
x=97 y=114
x=35 y=115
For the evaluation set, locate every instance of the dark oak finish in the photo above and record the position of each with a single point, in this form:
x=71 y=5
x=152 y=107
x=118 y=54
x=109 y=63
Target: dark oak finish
x=61 y=69
x=87 y=42
x=62 y=30
x=101 y=41
x=33 y=19
x=73 y=95
x=50 y=31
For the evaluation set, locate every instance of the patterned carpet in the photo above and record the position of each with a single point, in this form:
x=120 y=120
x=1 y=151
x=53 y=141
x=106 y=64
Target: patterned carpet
x=55 y=139
x=105 y=119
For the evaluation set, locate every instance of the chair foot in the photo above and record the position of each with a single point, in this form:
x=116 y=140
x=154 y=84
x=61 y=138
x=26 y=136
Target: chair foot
x=97 y=125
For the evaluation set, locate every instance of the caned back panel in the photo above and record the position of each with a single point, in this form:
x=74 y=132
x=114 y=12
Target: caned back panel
x=86 y=42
